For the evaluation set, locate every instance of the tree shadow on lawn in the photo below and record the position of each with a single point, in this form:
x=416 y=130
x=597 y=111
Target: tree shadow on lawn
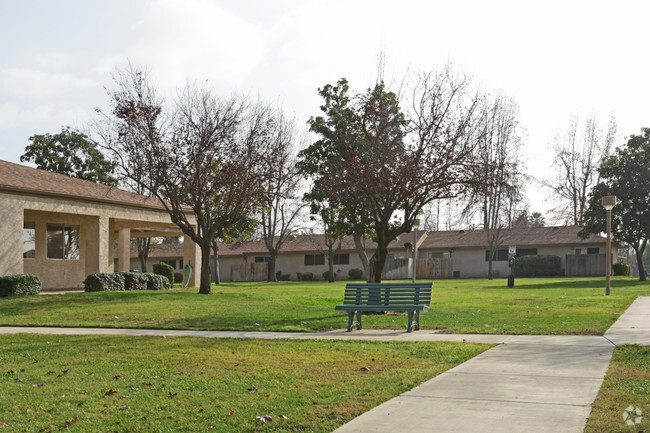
x=262 y=324
x=567 y=283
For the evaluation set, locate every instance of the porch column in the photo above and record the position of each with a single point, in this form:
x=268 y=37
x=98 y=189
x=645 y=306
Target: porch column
x=124 y=250
x=192 y=256
x=11 y=232
x=98 y=246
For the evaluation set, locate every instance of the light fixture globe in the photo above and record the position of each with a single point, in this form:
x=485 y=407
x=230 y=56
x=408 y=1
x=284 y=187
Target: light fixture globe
x=609 y=201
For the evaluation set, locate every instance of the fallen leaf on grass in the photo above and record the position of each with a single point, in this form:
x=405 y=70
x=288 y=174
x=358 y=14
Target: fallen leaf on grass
x=253 y=389
x=282 y=416
x=10 y=372
x=38 y=385
x=125 y=406
x=51 y=372
x=3 y=424
x=265 y=418
x=148 y=384
x=135 y=389
x=172 y=394
x=231 y=413
x=110 y=392
x=115 y=317
x=365 y=368
x=64 y=372
x=35 y=361
x=116 y=377
x=72 y=420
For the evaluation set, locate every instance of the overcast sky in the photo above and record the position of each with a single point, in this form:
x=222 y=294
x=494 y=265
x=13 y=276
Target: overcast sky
x=556 y=58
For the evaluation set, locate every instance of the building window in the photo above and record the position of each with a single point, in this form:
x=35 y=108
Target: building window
x=594 y=250
x=180 y=264
x=526 y=252
x=171 y=263
x=314 y=259
x=499 y=256
x=29 y=240
x=578 y=250
x=62 y=242
x=438 y=255
x=341 y=259
x=262 y=259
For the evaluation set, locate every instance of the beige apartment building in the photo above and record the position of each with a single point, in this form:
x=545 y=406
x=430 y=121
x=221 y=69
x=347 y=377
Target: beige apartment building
x=63 y=229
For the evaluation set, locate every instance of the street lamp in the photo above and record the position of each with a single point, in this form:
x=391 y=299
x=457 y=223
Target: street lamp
x=608 y=202
x=416 y=225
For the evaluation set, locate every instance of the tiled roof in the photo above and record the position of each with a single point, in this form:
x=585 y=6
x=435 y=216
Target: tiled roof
x=537 y=236
x=531 y=236
x=20 y=178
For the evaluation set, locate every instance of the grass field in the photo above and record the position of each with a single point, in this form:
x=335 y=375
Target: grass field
x=152 y=384
x=535 y=306
x=626 y=386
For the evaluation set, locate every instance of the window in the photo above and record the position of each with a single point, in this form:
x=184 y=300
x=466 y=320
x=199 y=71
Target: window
x=262 y=259
x=171 y=263
x=526 y=252
x=29 y=240
x=438 y=255
x=499 y=256
x=180 y=265
x=341 y=259
x=314 y=259
x=594 y=250
x=62 y=242
x=578 y=250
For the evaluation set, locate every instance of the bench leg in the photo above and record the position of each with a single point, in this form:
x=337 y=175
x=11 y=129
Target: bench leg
x=417 y=321
x=352 y=322
x=410 y=324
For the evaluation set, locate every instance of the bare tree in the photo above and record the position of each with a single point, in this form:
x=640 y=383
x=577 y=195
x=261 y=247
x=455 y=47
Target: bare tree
x=498 y=165
x=579 y=151
x=204 y=159
x=283 y=207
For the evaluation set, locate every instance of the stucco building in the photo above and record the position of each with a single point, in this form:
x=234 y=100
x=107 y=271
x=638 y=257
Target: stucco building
x=64 y=229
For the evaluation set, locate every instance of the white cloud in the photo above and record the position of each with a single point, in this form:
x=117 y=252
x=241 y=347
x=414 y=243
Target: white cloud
x=193 y=39
x=28 y=83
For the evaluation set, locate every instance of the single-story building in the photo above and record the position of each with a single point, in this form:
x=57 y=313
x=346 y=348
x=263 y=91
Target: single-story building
x=63 y=229
x=445 y=254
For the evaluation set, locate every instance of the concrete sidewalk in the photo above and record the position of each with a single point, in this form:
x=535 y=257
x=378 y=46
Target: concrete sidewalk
x=526 y=383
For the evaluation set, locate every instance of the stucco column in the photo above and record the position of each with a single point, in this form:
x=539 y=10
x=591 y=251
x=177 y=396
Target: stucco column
x=192 y=256
x=124 y=250
x=97 y=246
x=11 y=232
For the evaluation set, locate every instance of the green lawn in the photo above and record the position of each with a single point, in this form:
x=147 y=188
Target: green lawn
x=147 y=384
x=535 y=306
x=626 y=385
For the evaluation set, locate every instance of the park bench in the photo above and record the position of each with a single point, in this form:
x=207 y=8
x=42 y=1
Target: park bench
x=409 y=297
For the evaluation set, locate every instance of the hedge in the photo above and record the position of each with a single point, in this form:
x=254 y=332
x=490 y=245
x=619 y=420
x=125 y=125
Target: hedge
x=621 y=269
x=135 y=281
x=102 y=282
x=20 y=285
x=355 y=274
x=157 y=282
x=178 y=277
x=326 y=275
x=538 y=266
x=165 y=270
x=306 y=276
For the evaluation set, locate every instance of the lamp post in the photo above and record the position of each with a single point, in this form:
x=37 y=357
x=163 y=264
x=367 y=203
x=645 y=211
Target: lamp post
x=416 y=225
x=608 y=203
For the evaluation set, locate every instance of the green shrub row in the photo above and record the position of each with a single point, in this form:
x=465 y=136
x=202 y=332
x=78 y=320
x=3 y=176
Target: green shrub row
x=355 y=274
x=20 y=285
x=538 y=266
x=104 y=282
x=165 y=270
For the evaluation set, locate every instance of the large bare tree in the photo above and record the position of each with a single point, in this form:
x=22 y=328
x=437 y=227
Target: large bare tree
x=496 y=156
x=579 y=151
x=204 y=157
x=280 y=214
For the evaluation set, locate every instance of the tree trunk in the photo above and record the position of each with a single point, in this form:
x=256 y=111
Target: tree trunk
x=272 y=277
x=381 y=253
x=639 y=261
x=361 y=251
x=143 y=245
x=330 y=263
x=215 y=263
x=206 y=284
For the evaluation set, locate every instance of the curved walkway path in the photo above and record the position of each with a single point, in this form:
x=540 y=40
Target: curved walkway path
x=526 y=383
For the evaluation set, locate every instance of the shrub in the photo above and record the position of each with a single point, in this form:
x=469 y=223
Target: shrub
x=621 y=269
x=326 y=275
x=102 y=282
x=134 y=281
x=157 y=282
x=285 y=277
x=299 y=275
x=355 y=274
x=538 y=266
x=165 y=270
x=278 y=275
x=20 y=285
x=306 y=276
x=178 y=277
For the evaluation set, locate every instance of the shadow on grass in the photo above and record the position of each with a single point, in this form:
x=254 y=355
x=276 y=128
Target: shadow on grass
x=579 y=283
